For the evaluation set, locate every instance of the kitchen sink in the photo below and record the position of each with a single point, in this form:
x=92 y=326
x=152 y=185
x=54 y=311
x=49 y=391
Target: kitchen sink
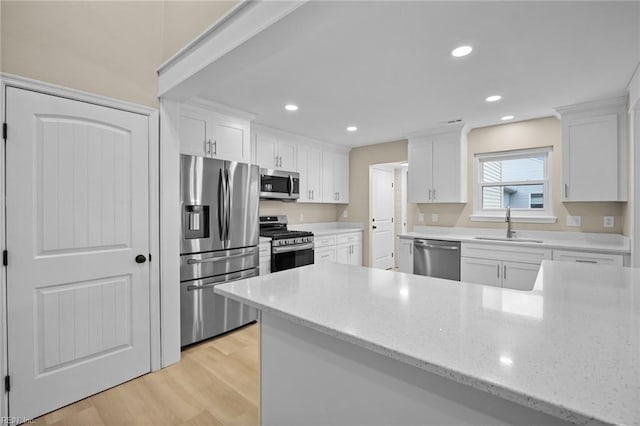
x=514 y=240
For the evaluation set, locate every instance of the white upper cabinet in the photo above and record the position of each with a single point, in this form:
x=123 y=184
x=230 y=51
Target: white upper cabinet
x=594 y=151
x=276 y=152
x=309 y=162
x=335 y=177
x=210 y=134
x=438 y=167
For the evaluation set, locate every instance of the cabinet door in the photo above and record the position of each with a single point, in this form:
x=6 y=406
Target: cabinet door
x=192 y=131
x=341 y=185
x=519 y=276
x=343 y=253
x=356 y=254
x=446 y=171
x=420 y=184
x=325 y=254
x=405 y=257
x=328 y=177
x=303 y=169
x=314 y=173
x=267 y=150
x=481 y=271
x=287 y=155
x=590 y=159
x=230 y=141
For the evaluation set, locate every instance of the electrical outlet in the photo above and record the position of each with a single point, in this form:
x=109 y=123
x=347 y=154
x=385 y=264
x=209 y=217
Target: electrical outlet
x=434 y=217
x=608 y=222
x=301 y=217
x=420 y=217
x=345 y=214
x=574 y=220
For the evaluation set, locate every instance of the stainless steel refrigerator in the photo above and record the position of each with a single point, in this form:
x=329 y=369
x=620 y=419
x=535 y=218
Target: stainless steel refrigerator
x=220 y=232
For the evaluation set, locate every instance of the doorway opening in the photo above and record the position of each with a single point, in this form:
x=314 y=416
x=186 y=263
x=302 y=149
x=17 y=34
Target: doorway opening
x=387 y=212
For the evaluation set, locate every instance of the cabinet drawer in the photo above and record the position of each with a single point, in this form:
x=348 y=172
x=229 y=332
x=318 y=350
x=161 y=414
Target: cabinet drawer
x=355 y=237
x=326 y=254
x=586 y=257
x=509 y=251
x=324 y=241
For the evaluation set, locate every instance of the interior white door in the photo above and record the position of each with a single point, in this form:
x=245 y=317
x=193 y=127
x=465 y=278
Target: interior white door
x=77 y=218
x=382 y=219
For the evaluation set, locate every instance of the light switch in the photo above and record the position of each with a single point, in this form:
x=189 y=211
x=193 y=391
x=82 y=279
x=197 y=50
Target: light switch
x=301 y=217
x=434 y=217
x=608 y=222
x=420 y=217
x=574 y=220
x=345 y=214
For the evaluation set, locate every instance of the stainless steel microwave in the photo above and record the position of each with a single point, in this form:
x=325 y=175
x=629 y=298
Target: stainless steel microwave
x=279 y=185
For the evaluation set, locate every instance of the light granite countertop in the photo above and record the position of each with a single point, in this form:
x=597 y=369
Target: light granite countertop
x=328 y=228
x=570 y=347
x=604 y=243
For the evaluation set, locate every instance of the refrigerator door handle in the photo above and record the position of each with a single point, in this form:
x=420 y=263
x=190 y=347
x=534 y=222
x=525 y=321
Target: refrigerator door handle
x=228 y=209
x=221 y=210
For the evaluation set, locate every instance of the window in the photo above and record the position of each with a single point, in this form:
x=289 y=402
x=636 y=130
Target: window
x=516 y=179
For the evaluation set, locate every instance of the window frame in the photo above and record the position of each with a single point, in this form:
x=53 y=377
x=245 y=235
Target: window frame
x=544 y=215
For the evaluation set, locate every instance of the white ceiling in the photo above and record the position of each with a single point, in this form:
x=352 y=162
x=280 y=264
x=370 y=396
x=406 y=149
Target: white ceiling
x=386 y=66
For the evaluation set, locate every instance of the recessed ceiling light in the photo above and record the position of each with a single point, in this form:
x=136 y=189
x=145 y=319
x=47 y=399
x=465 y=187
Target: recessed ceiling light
x=461 y=51
x=291 y=107
x=507 y=117
x=493 y=98
x=352 y=129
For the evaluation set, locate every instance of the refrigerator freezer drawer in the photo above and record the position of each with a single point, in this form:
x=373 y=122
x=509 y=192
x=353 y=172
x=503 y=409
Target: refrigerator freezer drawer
x=204 y=314
x=195 y=266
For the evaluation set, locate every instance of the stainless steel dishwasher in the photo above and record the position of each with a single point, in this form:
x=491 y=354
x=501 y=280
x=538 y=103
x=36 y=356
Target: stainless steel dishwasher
x=435 y=258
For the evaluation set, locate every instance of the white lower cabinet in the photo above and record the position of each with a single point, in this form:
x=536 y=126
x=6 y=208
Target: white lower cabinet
x=588 y=257
x=325 y=254
x=514 y=275
x=340 y=248
x=405 y=255
x=264 y=250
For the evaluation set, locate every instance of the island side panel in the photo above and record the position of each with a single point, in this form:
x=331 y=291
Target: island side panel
x=308 y=377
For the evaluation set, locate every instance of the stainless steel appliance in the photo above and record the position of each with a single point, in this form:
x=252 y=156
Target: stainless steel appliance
x=289 y=248
x=279 y=185
x=219 y=205
x=435 y=258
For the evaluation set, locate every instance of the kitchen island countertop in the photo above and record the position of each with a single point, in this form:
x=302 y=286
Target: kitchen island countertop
x=569 y=348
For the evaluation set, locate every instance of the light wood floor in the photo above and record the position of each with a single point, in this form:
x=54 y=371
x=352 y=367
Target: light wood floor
x=215 y=383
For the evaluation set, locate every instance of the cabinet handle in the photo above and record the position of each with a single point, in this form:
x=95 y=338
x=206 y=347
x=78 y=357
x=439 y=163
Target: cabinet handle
x=566 y=190
x=411 y=249
x=504 y=272
x=338 y=196
x=207 y=147
x=215 y=147
x=312 y=194
x=586 y=261
x=280 y=161
x=429 y=194
x=434 y=194
x=498 y=270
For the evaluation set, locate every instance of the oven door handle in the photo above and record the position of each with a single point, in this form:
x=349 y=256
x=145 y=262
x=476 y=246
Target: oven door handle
x=286 y=249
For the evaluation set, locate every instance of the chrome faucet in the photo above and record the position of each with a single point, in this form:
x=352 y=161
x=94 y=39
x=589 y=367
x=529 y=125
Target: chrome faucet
x=510 y=231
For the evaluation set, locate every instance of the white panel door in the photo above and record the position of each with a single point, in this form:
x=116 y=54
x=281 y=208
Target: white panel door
x=382 y=219
x=519 y=276
x=481 y=271
x=77 y=217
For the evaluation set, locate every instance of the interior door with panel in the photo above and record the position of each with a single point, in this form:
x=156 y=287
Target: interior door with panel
x=78 y=240
x=382 y=219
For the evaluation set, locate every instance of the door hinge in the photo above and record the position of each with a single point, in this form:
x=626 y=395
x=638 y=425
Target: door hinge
x=7 y=383
x=5 y=257
x=4 y=131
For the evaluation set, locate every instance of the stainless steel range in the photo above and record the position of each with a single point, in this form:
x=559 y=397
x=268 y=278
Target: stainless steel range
x=289 y=248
